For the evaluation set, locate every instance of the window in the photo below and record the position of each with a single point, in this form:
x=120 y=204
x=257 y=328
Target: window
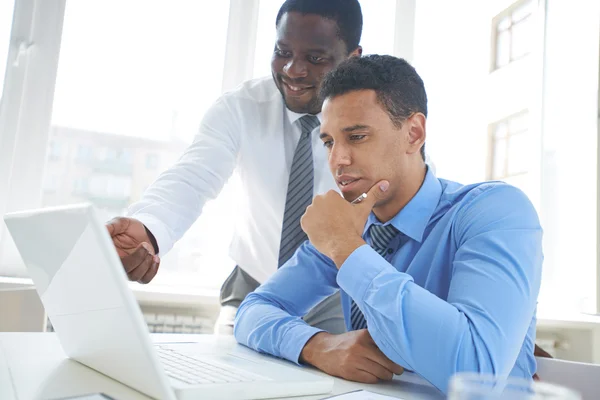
x=122 y=94
x=50 y=183
x=513 y=33
x=509 y=147
x=377 y=37
x=84 y=153
x=152 y=161
x=6 y=15
x=55 y=151
x=81 y=186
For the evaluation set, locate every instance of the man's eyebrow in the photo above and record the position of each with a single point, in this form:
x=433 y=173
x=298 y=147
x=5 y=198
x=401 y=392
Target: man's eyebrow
x=323 y=135
x=354 y=128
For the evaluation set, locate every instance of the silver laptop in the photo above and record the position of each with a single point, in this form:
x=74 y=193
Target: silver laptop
x=83 y=287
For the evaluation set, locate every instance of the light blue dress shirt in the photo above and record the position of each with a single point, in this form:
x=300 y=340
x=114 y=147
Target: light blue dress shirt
x=457 y=291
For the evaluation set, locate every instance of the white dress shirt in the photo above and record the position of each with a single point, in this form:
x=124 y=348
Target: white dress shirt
x=251 y=132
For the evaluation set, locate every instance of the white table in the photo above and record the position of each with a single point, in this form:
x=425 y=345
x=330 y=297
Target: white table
x=33 y=366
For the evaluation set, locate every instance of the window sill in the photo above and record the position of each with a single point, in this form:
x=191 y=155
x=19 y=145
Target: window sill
x=149 y=295
x=171 y=296
x=168 y=295
x=568 y=319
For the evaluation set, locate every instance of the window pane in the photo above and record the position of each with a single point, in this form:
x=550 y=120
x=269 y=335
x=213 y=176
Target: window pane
x=522 y=11
x=378 y=26
x=499 y=159
x=519 y=123
x=518 y=154
x=377 y=36
x=522 y=38
x=6 y=16
x=502 y=49
x=127 y=104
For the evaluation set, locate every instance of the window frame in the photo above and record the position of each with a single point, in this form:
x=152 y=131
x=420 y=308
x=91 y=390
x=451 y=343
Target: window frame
x=492 y=142
x=26 y=108
x=508 y=13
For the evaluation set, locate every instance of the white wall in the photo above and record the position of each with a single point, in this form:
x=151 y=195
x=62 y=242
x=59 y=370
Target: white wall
x=570 y=150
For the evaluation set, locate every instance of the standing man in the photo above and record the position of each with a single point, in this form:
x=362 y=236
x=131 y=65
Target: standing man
x=268 y=131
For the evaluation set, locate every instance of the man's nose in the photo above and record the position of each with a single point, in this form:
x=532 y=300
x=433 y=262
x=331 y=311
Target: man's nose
x=296 y=69
x=339 y=156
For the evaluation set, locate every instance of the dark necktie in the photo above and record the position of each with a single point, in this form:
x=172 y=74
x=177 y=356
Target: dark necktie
x=299 y=192
x=381 y=236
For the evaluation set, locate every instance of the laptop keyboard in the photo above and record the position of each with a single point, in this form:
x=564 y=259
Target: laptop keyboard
x=195 y=372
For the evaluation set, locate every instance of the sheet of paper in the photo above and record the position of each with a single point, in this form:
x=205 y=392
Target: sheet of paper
x=362 y=395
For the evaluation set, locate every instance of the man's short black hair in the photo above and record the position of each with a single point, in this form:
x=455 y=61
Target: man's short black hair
x=398 y=86
x=346 y=13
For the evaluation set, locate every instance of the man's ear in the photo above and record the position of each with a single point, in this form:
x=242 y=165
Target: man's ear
x=417 y=132
x=357 y=52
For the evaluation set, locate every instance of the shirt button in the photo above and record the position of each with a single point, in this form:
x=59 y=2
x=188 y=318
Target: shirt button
x=390 y=251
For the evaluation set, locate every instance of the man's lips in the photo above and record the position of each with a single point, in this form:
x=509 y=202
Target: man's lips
x=347 y=182
x=297 y=89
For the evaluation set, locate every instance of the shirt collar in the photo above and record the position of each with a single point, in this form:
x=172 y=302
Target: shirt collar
x=414 y=217
x=294 y=116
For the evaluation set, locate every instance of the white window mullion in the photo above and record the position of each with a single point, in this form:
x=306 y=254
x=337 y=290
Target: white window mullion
x=26 y=107
x=404 y=38
x=241 y=42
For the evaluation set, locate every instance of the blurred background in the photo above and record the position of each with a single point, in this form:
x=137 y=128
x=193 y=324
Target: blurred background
x=101 y=96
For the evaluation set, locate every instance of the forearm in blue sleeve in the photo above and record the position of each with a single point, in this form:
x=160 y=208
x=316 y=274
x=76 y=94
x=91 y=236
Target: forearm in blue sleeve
x=482 y=324
x=270 y=319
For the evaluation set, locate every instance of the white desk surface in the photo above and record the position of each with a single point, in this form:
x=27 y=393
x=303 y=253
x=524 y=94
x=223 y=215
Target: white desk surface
x=33 y=366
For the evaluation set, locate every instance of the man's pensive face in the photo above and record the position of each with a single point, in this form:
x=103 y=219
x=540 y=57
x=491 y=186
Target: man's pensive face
x=364 y=144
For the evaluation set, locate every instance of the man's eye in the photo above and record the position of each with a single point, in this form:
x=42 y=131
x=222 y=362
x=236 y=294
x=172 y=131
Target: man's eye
x=357 y=137
x=328 y=143
x=282 y=53
x=315 y=59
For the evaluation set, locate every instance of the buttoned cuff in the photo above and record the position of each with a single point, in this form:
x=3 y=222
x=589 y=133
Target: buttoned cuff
x=358 y=271
x=157 y=228
x=296 y=338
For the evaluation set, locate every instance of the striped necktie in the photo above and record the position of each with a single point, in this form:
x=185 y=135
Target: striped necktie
x=381 y=236
x=299 y=192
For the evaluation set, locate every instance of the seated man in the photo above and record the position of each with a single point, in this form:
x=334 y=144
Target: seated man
x=436 y=277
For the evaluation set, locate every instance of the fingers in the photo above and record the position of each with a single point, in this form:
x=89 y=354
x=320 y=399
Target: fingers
x=379 y=371
x=117 y=226
x=151 y=273
x=142 y=256
x=377 y=356
x=398 y=370
x=375 y=194
x=146 y=267
x=362 y=376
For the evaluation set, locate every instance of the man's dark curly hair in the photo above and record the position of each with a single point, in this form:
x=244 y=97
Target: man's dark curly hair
x=399 y=88
x=346 y=13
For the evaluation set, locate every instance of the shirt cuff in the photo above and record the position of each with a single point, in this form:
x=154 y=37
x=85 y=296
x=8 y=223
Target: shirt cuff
x=297 y=337
x=358 y=271
x=154 y=225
